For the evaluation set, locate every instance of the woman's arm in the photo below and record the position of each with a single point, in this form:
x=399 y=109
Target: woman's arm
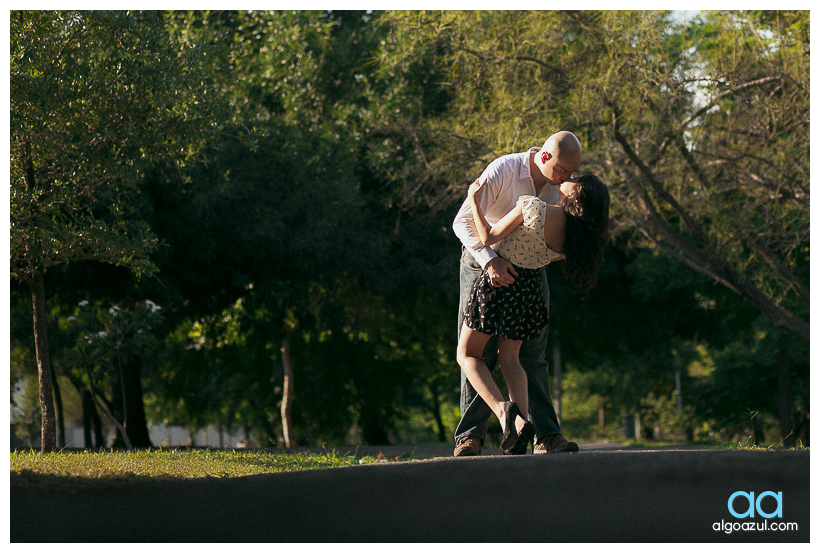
x=490 y=234
x=481 y=224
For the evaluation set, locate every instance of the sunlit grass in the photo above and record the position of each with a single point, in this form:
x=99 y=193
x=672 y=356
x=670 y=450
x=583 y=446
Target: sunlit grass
x=173 y=463
x=66 y=471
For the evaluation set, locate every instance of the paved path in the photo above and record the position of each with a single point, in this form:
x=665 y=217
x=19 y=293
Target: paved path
x=596 y=495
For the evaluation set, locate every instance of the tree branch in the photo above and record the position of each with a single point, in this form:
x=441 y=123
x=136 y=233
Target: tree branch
x=106 y=412
x=717 y=268
x=688 y=254
x=530 y=59
x=781 y=269
x=683 y=259
x=716 y=99
x=687 y=221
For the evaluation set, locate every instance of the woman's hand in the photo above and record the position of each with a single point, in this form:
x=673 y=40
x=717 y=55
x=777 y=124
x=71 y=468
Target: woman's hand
x=475 y=188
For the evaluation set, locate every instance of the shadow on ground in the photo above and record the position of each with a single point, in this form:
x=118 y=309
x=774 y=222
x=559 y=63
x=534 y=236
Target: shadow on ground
x=593 y=496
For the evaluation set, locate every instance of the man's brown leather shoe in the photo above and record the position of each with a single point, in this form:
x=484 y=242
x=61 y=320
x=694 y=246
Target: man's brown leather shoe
x=554 y=443
x=467 y=446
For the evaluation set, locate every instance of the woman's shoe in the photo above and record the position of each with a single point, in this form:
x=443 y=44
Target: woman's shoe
x=510 y=436
x=525 y=437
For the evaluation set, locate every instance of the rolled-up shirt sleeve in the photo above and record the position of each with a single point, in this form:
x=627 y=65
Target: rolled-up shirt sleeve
x=464 y=225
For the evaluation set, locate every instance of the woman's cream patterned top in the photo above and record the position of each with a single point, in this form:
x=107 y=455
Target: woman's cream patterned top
x=525 y=245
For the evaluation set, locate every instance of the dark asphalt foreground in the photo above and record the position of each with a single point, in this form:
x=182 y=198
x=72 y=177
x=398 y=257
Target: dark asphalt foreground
x=596 y=495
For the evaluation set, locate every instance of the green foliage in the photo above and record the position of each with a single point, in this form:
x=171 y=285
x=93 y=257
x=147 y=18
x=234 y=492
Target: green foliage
x=25 y=401
x=745 y=377
x=284 y=233
x=694 y=126
x=321 y=212
x=108 y=338
x=95 y=97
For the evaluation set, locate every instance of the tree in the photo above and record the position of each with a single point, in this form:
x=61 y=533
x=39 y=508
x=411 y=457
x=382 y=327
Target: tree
x=694 y=126
x=713 y=151
x=713 y=155
x=95 y=96
x=109 y=349
x=284 y=218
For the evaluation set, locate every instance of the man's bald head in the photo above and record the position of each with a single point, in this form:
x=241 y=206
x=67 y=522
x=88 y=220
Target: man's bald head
x=559 y=157
x=565 y=145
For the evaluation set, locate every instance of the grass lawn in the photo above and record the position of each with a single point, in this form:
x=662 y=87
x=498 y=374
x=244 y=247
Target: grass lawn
x=62 y=472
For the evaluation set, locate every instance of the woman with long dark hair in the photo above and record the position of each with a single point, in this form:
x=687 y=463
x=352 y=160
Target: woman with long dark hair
x=530 y=236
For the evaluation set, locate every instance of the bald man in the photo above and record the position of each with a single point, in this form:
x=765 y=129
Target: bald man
x=536 y=172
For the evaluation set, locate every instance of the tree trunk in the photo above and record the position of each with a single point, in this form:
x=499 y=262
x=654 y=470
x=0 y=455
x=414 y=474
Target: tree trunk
x=128 y=403
x=99 y=439
x=801 y=430
x=246 y=431
x=436 y=409
x=108 y=413
x=679 y=406
x=91 y=419
x=58 y=405
x=373 y=430
x=600 y=414
x=287 y=395
x=784 y=404
x=47 y=428
x=757 y=431
x=88 y=405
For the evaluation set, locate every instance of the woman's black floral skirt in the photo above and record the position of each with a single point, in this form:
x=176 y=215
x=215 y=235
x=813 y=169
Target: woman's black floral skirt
x=515 y=312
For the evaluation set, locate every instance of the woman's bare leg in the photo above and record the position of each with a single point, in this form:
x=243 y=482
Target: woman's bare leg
x=514 y=376
x=470 y=349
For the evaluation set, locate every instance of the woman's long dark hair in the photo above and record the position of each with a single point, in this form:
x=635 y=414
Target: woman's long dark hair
x=587 y=231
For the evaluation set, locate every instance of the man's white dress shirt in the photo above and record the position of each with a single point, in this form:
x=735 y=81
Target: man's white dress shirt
x=508 y=178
